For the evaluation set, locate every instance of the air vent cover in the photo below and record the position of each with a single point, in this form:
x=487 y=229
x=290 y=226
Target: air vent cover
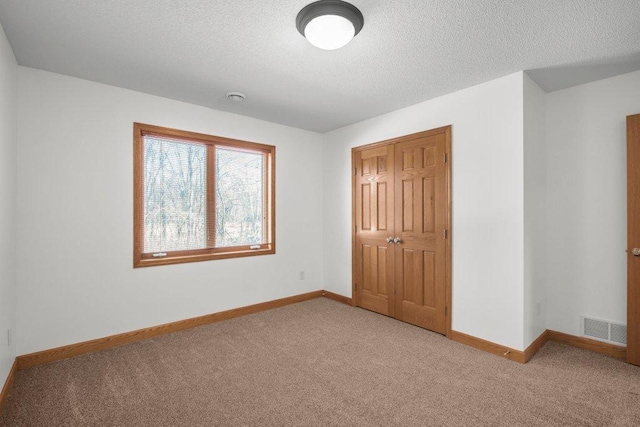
x=596 y=329
x=603 y=330
x=619 y=333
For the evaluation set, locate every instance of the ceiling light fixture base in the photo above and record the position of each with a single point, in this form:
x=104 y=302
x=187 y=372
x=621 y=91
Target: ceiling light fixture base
x=329 y=9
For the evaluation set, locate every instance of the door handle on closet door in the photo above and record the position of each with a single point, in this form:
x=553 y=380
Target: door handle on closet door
x=397 y=240
x=635 y=251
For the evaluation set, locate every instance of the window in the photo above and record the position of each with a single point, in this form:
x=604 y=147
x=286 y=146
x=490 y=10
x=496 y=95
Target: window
x=200 y=197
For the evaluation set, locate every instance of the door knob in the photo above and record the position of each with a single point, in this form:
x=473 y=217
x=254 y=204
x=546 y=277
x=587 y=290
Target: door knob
x=390 y=240
x=397 y=240
x=636 y=251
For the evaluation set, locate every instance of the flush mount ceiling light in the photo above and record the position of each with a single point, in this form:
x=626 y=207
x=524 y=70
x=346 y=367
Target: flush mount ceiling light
x=329 y=24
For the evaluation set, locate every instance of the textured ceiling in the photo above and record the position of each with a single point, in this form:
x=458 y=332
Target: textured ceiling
x=408 y=51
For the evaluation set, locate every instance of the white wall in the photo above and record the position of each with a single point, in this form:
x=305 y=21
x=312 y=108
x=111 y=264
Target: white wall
x=517 y=154
x=8 y=93
x=586 y=200
x=488 y=225
x=75 y=216
x=535 y=201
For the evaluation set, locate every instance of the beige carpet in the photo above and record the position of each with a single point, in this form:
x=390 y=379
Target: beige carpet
x=322 y=363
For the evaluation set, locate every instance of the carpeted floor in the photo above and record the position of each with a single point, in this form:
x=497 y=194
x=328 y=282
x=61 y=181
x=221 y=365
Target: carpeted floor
x=322 y=363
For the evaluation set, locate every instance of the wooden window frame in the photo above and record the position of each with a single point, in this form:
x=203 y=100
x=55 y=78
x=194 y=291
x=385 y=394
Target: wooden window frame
x=141 y=259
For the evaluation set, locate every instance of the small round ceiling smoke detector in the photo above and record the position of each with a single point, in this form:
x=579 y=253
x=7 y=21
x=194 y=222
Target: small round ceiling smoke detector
x=236 y=96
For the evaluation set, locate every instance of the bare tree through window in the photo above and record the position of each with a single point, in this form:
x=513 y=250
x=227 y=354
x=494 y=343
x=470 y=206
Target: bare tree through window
x=174 y=195
x=239 y=197
x=200 y=197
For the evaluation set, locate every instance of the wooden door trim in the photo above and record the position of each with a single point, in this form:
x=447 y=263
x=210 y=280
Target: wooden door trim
x=446 y=130
x=448 y=220
x=633 y=239
x=410 y=137
x=353 y=226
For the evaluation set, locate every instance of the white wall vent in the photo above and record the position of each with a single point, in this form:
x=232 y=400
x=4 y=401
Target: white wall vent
x=603 y=330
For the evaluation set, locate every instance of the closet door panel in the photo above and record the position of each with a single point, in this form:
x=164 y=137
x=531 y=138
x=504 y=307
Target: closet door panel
x=374 y=221
x=420 y=211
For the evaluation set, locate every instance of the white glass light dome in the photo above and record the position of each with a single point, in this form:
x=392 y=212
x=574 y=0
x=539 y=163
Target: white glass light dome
x=329 y=32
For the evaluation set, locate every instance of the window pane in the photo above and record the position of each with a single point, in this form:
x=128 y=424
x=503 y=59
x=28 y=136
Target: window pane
x=239 y=197
x=174 y=195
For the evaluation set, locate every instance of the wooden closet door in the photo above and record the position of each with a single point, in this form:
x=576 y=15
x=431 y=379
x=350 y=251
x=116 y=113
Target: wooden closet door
x=374 y=221
x=421 y=206
x=401 y=214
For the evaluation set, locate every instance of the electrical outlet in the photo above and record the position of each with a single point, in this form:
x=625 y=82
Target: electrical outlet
x=9 y=337
x=302 y=275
